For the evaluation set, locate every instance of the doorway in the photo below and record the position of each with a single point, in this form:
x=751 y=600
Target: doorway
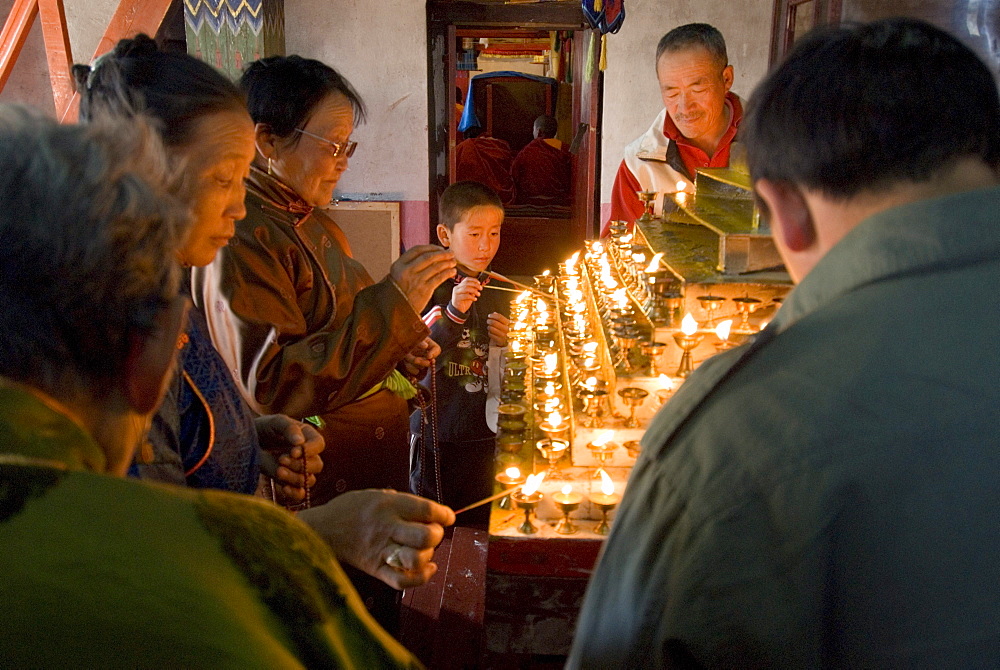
x=512 y=63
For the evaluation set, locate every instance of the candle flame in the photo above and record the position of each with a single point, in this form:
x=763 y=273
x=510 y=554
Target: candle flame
x=680 y=197
x=763 y=324
x=540 y=306
x=555 y=419
x=666 y=382
x=567 y=489
x=546 y=273
x=681 y=185
x=607 y=486
x=551 y=361
x=524 y=295
x=688 y=325
x=603 y=438
x=591 y=382
x=515 y=346
x=654 y=265
x=627 y=239
x=722 y=330
x=590 y=347
x=550 y=388
x=638 y=258
x=598 y=247
x=532 y=483
x=513 y=473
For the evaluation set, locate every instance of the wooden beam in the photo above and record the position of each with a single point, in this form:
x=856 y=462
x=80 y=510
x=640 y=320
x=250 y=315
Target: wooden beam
x=131 y=17
x=57 y=51
x=15 y=32
x=554 y=15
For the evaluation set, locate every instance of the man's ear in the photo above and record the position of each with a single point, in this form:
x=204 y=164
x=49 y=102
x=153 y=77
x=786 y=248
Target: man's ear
x=265 y=140
x=728 y=77
x=150 y=360
x=444 y=235
x=791 y=220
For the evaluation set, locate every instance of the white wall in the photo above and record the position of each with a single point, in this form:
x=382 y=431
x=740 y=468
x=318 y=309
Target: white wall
x=631 y=95
x=381 y=48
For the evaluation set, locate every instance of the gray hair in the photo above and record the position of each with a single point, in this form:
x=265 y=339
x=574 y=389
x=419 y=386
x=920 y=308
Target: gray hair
x=694 y=35
x=89 y=236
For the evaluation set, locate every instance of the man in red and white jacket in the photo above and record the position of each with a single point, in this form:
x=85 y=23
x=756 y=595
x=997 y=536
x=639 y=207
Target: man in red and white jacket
x=695 y=129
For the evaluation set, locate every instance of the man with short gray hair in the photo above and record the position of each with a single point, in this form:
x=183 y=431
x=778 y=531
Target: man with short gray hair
x=694 y=129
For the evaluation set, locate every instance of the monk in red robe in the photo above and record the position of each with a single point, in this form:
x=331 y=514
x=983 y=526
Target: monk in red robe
x=486 y=160
x=543 y=170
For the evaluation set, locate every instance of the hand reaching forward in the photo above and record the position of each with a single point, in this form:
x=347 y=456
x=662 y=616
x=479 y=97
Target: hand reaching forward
x=420 y=270
x=387 y=534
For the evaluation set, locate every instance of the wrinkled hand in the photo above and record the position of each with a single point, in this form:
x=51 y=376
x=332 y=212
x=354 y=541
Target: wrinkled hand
x=421 y=357
x=287 y=439
x=370 y=528
x=498 y=326
x=466 y=293
x=420 y=270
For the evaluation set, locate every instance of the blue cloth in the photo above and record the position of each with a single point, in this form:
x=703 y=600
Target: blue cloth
x=182 y=433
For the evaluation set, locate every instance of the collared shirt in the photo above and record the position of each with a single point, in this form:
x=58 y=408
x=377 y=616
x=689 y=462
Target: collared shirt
x=826 y=496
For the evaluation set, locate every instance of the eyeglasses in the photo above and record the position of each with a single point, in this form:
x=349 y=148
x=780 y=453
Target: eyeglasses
x=339 y=149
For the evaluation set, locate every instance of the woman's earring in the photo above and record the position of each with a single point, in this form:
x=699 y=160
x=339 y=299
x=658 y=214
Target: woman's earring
x=269 y=170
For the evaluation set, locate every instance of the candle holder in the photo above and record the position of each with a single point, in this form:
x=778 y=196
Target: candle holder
x=627 y=337
x=593 y=406
x=687 y=343
x=510 y=483
x=510 y=418
x=602 y=453
x=544 y=282
x=633 y=447
x=605 y=503
x=552 y=450
x=711 y=304
x=528 y=503
x=746 y=306
x=567 y=502
x=632 y=396
x=510 y=443
x=652 y=350
x=663 y=395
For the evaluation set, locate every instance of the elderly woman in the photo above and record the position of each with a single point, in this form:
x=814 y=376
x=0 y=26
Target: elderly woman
x=203 y=434
x=98 y=570
x=300 y=321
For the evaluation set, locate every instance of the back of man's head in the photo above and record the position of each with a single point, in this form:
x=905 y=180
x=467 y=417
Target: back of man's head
x=545 y=127
x=864 y=107
x=693 y=36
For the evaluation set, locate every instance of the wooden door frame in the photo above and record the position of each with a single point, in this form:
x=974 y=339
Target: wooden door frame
x=444 y=17
x=783 y=21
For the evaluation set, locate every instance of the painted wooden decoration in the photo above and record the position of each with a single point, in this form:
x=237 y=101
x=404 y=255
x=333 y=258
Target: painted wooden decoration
x=231 y=33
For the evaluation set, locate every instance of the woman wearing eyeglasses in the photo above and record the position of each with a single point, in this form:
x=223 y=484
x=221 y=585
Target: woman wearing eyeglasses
x=303 y=326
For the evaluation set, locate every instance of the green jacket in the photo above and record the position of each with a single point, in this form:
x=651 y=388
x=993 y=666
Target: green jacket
x=828 y=495
x=101 y=572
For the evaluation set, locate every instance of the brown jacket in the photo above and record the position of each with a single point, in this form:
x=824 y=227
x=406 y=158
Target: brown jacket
x=302 y=325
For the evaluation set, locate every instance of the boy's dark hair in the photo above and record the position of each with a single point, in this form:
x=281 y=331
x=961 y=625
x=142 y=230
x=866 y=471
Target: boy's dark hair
x=462 y=196
x=283 y=91
x=863 y=107
x=174 y=89
x=694 y=35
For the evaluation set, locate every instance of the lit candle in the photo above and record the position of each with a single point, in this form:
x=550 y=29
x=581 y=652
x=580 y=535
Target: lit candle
x=723 y=329
x=551 y=362
x=532 y=483
x=513 y=473
x=688 y=325
x=603 y=438
x=555 y=420
x=607 y=496
x=666 y=383
x=654 y=265
x=567 y=496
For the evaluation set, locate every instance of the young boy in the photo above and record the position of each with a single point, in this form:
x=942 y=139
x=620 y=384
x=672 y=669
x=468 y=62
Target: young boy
x=469 y=321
